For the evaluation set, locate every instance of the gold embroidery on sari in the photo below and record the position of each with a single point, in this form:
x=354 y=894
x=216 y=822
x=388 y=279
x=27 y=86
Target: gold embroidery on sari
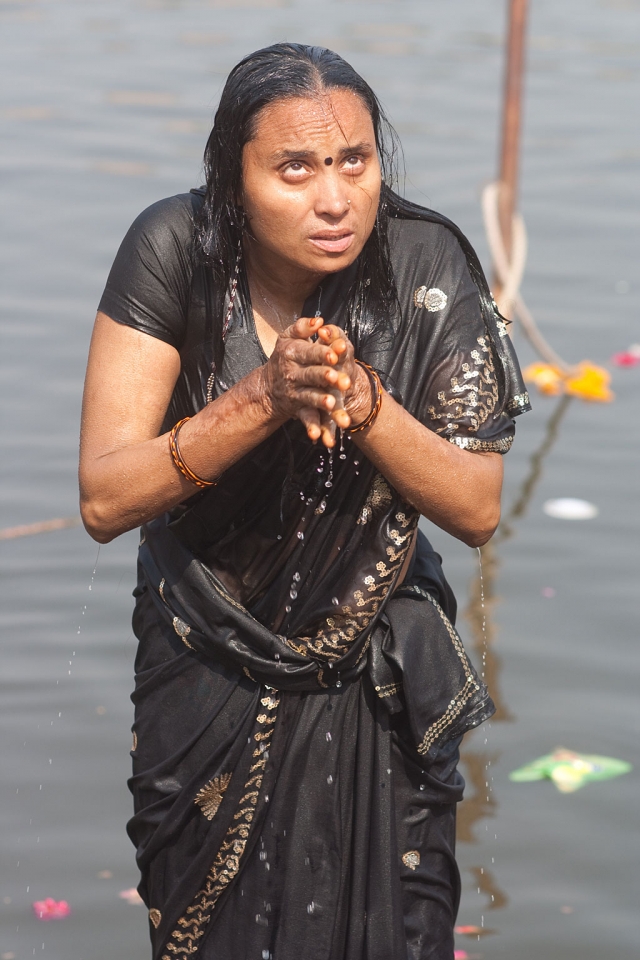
x=411 y=859
x=190 y=929
x=474 y=393
x=456 y=705
x=336 y=634
x=503 y=445
x=155 y=916
x=379 y=497
x=210 y=796
x=388 y=690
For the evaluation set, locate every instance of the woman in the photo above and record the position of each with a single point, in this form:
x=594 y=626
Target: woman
x=288 y=367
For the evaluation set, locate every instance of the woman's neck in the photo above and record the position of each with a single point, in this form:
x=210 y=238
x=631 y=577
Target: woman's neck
x=283 y=287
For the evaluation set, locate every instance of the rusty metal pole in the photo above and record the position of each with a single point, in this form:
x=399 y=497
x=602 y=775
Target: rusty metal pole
x=512 y=110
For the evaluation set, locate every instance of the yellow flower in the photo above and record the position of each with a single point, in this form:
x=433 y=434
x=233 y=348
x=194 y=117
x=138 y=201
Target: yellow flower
x=589 y=382
x=586 y=381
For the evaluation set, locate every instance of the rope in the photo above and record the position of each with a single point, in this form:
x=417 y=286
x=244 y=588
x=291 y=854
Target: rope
x=510 y=273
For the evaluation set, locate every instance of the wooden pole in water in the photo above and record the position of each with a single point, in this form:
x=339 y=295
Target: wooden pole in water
x=511 y=114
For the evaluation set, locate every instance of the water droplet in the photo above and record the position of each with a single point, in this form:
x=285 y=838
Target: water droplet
x=266 y=798
x=311 y=907
x=263 y=854
x=329 y=779
x=335 y=601
x=296 y=577
x=389 y=771
x=338 y=683
x=300 y=535
x=322 y=506
x=293 y=594
x=307 y=861
x=265 y=955
x=279 y=537
x=328 y=484
x=319 y=469
x=356 y=463
x=343 y=456
x=288 y=609
x=328 y=737
x=423 y=786
x=330 y=666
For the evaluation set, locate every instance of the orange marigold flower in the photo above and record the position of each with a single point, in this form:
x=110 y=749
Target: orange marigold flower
x=547 y=379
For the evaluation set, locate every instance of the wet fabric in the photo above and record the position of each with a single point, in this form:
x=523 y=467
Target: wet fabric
x=297 y=714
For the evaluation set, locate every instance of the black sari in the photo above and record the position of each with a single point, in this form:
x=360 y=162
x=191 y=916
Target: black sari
x=298 y=713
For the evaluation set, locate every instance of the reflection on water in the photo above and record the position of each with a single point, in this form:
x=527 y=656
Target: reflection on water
x=482 y=804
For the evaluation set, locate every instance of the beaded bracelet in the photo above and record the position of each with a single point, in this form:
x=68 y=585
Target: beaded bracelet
x=179 y=462
x=376 y=393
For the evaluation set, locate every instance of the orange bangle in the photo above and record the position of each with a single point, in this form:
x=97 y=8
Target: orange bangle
x=376 y=393
x=179 y=462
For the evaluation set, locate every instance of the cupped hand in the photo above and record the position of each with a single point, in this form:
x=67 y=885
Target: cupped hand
x=307 y=380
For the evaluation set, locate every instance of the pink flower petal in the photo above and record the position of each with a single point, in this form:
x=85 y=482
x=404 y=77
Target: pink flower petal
x=625 y=359
x=131 y=896
x=50 y=909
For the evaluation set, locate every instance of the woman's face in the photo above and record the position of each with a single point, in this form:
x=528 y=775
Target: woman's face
x=311 y=182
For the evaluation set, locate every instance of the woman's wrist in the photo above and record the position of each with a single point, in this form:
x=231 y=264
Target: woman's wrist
x=359 y=399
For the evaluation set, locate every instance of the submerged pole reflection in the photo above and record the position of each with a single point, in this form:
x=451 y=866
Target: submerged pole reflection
x=479 y=613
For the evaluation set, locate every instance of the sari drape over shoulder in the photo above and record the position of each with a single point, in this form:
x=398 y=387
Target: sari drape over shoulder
x=298 y=714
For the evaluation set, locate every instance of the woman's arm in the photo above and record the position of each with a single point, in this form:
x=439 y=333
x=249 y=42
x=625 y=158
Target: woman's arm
x=127 y=474
x=457 y=489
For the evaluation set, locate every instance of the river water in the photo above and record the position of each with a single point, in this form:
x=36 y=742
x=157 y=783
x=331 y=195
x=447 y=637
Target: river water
x=105 y=108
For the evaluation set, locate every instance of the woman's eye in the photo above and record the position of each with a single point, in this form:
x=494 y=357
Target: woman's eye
x=295 y=170
x=354 y=164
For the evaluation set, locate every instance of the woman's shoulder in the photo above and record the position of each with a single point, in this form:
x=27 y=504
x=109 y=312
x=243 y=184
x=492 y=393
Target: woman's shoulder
x=428 y=231
x=170 y=218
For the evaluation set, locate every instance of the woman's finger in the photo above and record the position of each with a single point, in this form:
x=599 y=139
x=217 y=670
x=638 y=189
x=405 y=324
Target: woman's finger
x=310 y=418
x=303 y=328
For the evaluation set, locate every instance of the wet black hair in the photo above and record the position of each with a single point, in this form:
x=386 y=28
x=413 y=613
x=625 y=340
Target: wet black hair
x=285 y=71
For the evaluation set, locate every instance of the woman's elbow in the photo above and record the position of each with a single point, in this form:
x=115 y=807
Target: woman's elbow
x=97 y=521
x=482 y=528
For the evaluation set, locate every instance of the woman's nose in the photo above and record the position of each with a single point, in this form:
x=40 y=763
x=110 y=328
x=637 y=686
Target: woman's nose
x=332 y=196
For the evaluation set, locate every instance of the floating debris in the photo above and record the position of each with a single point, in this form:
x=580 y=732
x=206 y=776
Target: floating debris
x=570 y=770
x=50 y=909
x=570 y=508
x=131 y=896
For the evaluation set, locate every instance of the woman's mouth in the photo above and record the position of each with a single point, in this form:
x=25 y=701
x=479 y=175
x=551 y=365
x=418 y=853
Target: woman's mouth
x=332 y=242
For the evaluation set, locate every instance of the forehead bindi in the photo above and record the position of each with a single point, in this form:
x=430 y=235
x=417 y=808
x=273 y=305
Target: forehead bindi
x=322 y=125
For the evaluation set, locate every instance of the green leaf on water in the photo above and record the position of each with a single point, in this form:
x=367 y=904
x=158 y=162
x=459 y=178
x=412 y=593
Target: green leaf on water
x=570 y=770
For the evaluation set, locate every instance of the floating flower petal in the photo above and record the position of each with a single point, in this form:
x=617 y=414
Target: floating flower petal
x=131 y=896
x=627 y=358
x=570 y=770
x=50 y=909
